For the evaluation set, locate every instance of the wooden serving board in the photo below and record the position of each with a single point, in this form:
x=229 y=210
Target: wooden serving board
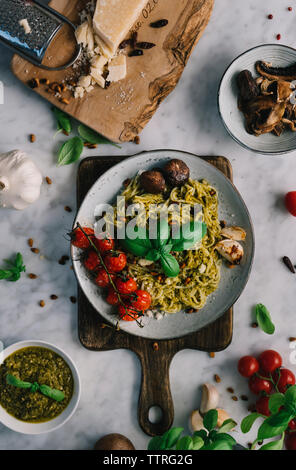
x=121 y=111
x=155 y=388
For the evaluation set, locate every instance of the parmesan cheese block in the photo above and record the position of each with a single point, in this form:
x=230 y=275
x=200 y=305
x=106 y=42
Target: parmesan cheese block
x=113 y=19
x=98 y=78
x=117 y=68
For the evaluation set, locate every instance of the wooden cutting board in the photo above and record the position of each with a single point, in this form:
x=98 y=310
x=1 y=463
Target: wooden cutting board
x=155 y=387
x=122 y=111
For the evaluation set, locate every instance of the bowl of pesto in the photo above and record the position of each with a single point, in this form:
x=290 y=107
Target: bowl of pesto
x=39 y=387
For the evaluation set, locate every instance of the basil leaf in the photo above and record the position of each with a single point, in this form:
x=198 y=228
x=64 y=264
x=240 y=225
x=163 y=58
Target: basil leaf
x=290 y=397
x=163 y=233
x=5 y=273
x=197 y=442
x=185 y=443
x=169 y=265
x=248 y=422
x=19 y=262
x=275 y=445
x=166 y=249
x=202 y=433
x=228 y=425
x=171 y=437
x=186 y=241
x=156 y=443
x=93 y=137
x=70 y=151
x=49 y=392
x=153 y=255
x=264 y=319
x=210 y=420
x=226 y=438
x=63 y=120
x=266 y=431
x=281 y=418
x=218 y=445
x=275 y=402
x=140 y=245
x=12 y=380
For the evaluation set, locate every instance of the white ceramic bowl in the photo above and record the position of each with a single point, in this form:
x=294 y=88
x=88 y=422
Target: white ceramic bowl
x=233 y=118
x=40 y=428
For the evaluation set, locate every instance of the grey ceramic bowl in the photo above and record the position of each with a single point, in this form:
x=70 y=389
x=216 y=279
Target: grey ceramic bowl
x=234 y=120
x=231 y=208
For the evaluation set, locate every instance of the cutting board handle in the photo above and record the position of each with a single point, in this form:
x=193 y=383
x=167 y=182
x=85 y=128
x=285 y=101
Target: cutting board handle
x=155 y=390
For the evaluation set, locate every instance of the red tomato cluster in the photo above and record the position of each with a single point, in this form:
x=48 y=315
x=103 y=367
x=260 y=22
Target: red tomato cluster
x=266 y=375
x=136 y=300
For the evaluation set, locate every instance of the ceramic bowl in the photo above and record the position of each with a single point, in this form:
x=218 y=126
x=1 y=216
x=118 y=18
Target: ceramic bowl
x=231 y=208
x=48 y=426
x=234 y=120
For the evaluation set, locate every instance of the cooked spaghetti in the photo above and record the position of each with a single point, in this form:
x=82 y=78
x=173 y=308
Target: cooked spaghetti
x=200 y=268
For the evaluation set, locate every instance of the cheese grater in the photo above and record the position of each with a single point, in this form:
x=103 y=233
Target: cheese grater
x=44 y=23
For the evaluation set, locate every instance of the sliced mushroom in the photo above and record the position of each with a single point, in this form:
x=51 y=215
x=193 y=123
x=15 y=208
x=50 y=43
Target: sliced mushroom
x=196 y=421
x=209 y=398
x=234 y=233
x=275 y=73
x=248 y=87
x=290 y=124
x=230 y=250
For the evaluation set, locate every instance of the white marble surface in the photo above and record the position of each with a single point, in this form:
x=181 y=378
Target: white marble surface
x=188 y=120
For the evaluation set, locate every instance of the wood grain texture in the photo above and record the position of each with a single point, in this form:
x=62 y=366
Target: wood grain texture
x=155 y=386
x=122 y=111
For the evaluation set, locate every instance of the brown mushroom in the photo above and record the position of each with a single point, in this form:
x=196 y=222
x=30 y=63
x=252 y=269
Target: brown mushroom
x=114 y=442
x=275 y=73
x=176 y=172
x=248 y=87
x=152 y=181
x=263 y=114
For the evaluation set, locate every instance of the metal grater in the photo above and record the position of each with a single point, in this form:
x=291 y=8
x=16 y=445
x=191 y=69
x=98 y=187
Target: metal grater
x=44 y=23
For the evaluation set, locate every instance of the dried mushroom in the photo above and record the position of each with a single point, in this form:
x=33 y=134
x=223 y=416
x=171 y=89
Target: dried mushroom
x=266 y=100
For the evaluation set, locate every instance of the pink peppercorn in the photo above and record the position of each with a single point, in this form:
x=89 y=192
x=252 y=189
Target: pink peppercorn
x=270 y=17
x=290 y=8
x=278 y=37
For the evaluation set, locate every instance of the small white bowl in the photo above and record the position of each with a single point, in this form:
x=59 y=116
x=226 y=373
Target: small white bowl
x=48 y=426
x=233 y=118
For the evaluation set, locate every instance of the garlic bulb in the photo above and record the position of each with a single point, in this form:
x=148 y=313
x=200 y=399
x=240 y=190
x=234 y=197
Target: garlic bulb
x=20 y=180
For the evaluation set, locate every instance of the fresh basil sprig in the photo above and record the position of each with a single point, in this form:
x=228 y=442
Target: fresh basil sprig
x=93 y=137
x=160 y=248
x=264 y=319
x=49 y=392
x=63 y=121
x=14 y=269
x=70 y=151
x=207 y=439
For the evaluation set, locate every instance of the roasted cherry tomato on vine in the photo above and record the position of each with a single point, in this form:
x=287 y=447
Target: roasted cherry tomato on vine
x=142 y=300
x=292 y=424
x=78 y=238
x=262 y=406
x=282 y=378
x=270 y=361
x=291 y=441
x=112 y=297
x=92 y=261
x=115 y=262
x=104 y=243
x=290 y=201
x=126 y=285
x=258 y=385
x=248 y=366
x=102 y=279
x=128 y=313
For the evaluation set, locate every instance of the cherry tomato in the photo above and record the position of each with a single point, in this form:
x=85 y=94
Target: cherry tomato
x=258 y=385
x=126 y=286
x=290 y=201
x=102 y=279
x=127 y=313
x=282 y=378
x=92 y=261
x=291 y=441
x=269 y=361
x=262 y=406
x=112 y=297
x=142 y=300
x=104 y=243
x=115 y=262
x=248 y=366
x=292 y=424
x=78 y=238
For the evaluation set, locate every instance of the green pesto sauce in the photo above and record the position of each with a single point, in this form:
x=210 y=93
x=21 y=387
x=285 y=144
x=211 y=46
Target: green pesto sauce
x=35 y=364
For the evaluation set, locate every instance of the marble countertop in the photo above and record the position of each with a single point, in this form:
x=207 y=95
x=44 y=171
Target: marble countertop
x=188 y=120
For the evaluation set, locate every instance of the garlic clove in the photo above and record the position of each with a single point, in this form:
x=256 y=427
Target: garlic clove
x=234 y=233
x=230 y=250
x=222 y=416
x=209 y=398
x=196 y=421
